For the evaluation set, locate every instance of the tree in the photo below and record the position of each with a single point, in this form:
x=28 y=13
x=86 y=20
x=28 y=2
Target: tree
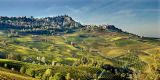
x=43 y=59
x=5 y=65
x=94 y=63
x=12 y=69
x=84 y=60
x=59 y=76
x=101 y=74
x=31 y=72
x=47 y=74
x=53 y=63
x=51 y=78
x=68 y=76
x=33 y=62
x=18 y=57
x=11 y=56
x=23 y=69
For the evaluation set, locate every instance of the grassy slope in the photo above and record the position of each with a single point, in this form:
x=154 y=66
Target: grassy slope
x=110 y=48
x=76 y=72
x=12 y=75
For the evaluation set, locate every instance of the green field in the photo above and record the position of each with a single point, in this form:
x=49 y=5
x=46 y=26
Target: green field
x=43 y=57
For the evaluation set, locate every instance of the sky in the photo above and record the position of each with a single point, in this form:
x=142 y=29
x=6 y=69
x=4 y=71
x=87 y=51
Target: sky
x=140 y=17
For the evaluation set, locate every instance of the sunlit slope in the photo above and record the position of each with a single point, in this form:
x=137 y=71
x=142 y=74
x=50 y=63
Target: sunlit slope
x=12 y=75
x=117 y=49
x=36 y=71
x=95 y=45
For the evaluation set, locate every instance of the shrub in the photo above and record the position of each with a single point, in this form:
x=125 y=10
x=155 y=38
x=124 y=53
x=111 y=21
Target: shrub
x=59 y=76
x=22 y=70
x=51 y=78
x=84 y=60
x=68 y=76
x=47 y=74
x=30 y=72
x=5 y=65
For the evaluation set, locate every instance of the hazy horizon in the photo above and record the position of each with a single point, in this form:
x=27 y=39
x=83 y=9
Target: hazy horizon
x=137 y=16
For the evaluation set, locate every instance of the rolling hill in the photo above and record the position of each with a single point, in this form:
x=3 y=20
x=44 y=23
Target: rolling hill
x=44 y=48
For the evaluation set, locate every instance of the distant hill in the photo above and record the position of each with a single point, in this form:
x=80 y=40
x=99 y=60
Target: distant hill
x=48 y=25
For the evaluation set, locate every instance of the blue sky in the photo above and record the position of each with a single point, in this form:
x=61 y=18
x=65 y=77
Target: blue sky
x=136 y=16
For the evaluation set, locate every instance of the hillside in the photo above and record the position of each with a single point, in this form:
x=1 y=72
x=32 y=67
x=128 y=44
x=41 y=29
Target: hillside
x=47 y=25
x=9 y=75
x=88 y=52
